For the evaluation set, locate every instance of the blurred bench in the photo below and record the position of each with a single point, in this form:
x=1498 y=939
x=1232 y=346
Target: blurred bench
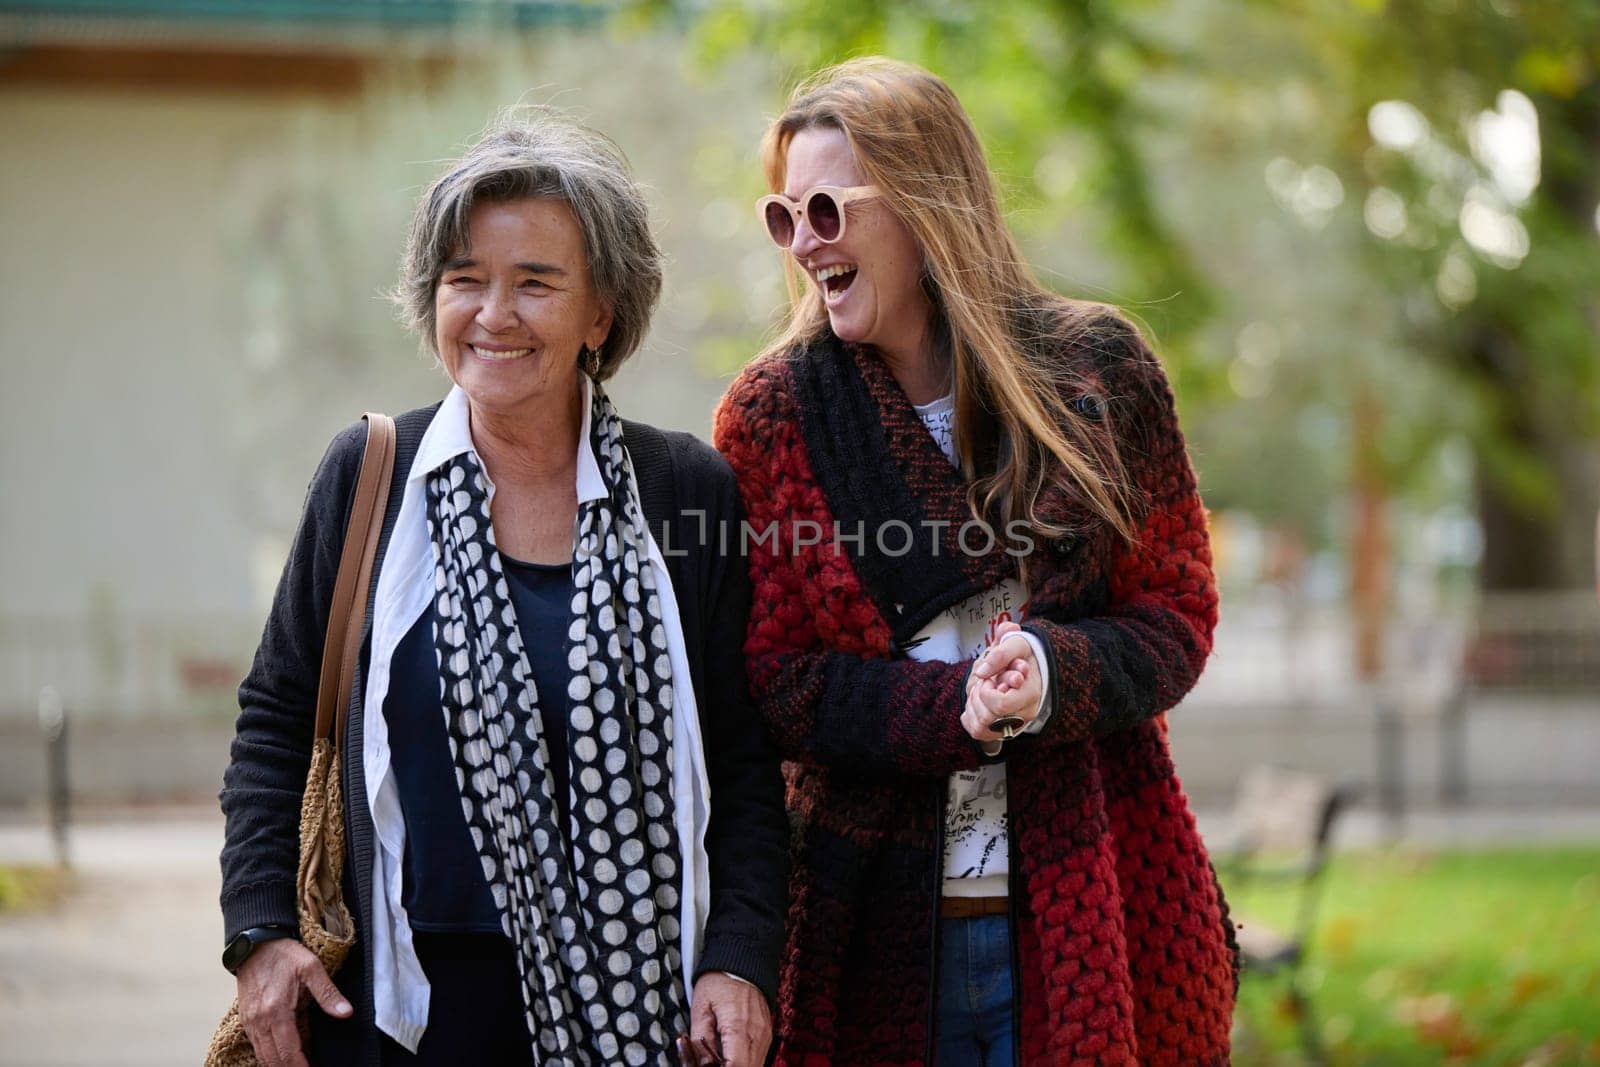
x=1281 y=828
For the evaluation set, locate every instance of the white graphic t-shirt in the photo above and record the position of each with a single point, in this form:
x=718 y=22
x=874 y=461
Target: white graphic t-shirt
x=976 y=856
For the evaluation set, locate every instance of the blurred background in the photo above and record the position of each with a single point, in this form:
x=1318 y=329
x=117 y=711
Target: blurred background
x=1363 y=234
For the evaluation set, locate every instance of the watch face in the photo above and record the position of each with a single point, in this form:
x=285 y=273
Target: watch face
x=236 y=952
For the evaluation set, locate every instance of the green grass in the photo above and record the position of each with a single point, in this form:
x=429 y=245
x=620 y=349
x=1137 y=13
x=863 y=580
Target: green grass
x=25 y=888
x=1488 y=957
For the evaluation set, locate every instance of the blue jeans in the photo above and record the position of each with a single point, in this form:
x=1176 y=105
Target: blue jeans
x=975 y=995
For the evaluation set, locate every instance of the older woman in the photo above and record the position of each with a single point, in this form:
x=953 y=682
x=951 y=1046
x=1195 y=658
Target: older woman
x=994 y=857
x=604 y=914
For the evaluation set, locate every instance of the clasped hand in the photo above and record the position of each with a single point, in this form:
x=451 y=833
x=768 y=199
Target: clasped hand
x=1004 y=683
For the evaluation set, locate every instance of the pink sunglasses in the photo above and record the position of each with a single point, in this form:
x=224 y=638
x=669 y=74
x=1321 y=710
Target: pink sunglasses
x=822 y=207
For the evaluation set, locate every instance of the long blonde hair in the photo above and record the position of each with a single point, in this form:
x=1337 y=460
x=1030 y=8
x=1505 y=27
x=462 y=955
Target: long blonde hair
x=1001 y=330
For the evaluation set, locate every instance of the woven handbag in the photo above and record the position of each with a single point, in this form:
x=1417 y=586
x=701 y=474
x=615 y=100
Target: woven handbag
x=326 y=927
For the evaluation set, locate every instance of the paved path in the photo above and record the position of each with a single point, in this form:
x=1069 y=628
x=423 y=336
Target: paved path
x=123 y=970
x=1446 y=828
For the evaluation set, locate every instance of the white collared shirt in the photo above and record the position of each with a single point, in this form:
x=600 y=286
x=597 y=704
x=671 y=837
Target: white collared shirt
x=405 y=588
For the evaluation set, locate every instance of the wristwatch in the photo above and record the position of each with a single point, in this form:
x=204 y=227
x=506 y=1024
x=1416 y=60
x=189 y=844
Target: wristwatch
x=245 y=942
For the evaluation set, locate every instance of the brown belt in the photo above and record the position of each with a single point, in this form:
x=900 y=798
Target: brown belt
x=972 y=907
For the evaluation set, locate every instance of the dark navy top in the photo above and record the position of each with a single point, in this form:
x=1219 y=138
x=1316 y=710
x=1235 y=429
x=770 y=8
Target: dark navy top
x=444 y=889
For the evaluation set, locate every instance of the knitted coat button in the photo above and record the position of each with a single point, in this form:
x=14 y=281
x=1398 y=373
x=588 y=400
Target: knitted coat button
x=1089 y=405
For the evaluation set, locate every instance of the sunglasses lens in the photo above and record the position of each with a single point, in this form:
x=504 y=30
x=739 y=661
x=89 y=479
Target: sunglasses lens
x=780 y=225
x=824 y=216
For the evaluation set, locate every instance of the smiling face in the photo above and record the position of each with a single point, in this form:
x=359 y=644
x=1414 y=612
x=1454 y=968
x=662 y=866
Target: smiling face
x=871 y=277
x=515 y=307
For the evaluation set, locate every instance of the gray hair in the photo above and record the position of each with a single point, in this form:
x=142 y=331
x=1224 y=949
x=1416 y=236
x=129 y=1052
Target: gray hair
x=536 y=153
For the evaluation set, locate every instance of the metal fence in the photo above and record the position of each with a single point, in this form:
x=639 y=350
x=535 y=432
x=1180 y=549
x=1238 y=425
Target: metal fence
x=106 y=667
x=1534 y=643
x=1265 y=655
x=1273 y=652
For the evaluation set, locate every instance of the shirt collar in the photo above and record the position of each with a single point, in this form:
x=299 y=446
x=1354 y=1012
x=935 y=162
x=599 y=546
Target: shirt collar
x=450 y=434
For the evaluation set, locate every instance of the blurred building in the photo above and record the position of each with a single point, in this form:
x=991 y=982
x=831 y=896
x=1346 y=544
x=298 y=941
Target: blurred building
x=204 y=203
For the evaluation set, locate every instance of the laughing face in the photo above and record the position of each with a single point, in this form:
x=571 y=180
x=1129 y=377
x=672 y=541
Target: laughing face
x=516 y=306
x=870 y=278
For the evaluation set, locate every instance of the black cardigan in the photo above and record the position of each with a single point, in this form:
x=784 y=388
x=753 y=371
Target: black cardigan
x=746 y=839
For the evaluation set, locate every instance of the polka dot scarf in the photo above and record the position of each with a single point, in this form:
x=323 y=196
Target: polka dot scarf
x=595 y=924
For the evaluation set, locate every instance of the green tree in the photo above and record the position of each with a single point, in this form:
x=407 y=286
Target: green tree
x=1050 y=84
x=1470 y=132
x=1455 y=275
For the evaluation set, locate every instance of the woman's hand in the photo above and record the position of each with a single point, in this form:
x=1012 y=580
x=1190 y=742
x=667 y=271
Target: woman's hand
x=732 y=1016
x=1005 y=683
x=271 y=984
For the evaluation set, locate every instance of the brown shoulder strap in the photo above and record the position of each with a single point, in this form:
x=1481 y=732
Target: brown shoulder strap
x=347 y=614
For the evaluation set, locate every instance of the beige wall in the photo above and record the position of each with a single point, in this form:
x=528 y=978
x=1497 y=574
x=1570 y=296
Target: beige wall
x=131 y=319
x=190 y=306
x=119 y=359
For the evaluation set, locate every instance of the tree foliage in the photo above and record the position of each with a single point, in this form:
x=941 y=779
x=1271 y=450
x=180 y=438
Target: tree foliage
x=1436 y=269
x=1050 y=84
x=1470 y=133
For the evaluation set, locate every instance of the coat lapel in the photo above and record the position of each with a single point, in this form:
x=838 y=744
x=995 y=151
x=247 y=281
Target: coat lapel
x=885 y=477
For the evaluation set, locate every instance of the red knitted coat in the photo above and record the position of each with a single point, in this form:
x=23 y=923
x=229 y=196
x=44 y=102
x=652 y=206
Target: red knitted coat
x=1125 y=953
